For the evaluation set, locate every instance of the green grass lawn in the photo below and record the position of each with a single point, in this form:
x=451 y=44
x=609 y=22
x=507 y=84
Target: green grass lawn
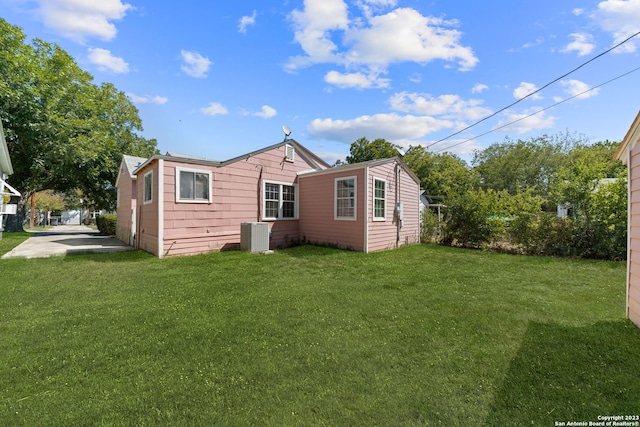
x=423 y=335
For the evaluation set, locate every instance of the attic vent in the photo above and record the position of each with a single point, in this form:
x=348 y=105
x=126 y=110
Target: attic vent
x=290 y=153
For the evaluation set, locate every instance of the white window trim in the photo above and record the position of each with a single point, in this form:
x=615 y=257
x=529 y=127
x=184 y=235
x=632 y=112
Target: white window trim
x=204 y=172
x=264 y=200
x=355 y=199
x=374 y=198
x=144 y=188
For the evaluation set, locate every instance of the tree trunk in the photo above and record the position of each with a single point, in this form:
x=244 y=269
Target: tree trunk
x=33 y=210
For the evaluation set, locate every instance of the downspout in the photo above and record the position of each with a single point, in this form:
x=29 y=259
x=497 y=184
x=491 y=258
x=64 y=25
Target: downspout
x=366 y=210
x=398 y=199
x=3 y=177
x=161 y=208
x=629 y=205
x=139 y=221
x=260 y=194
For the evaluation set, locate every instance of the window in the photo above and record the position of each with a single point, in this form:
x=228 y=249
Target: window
x=345 y=198
x=379 y=199
x=193 y=186
x=280 y=201
x=148 y=187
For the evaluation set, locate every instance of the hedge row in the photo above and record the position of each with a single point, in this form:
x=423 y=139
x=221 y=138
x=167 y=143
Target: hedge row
x=107 y=224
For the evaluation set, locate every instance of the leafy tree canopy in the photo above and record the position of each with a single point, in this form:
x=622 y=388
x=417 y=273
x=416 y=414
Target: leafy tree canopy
x=582 y=183
x=515 y=166
x=63 y=131
x=442 y=174
x=363 y=150
x=48 y=201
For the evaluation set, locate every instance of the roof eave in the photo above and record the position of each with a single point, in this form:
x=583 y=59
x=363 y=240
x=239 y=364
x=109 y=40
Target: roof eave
x=362 y=165
x=6 y=168
x=629 y=141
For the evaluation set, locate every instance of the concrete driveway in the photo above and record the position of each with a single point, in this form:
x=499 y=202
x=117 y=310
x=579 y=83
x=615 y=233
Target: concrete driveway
x=66 y=239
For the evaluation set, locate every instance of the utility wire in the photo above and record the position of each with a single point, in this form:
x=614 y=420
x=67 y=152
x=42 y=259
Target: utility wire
x=536 y=91
x=537 y=112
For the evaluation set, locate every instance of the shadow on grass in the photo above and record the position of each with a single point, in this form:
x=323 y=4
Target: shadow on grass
x=126 y=256
x=566 y=374
x=308 y=251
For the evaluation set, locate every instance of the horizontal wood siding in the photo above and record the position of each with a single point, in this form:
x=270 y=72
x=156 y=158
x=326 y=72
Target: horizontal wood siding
x=126 y=202
x=284 y=233
x=147 y=222
x=317 y=221
x=383 y=235
x=633 y=296
x=192 y=228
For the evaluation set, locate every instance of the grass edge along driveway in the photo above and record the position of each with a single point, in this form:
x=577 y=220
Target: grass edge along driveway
x=423 y=335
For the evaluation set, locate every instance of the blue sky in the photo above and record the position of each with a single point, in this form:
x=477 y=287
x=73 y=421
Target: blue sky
x=219 y=78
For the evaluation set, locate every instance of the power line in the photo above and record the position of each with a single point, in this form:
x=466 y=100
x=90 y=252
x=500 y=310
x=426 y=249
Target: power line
x=536 y=91
x=537 y=112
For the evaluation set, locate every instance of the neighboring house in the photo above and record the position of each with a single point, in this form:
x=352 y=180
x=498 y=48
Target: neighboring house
x=427 y=201
x=629 y=154
x=177 y=205
x=71 y=217
x=127 y=194
x=6 y=169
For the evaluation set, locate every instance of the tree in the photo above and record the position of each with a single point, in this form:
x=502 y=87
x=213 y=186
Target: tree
x=594 y=185
x=579 y=181
x=475 y=217
x=363 y=150
x=441 y=175
x=63 y=132
x=47 y=201
x=515 y=166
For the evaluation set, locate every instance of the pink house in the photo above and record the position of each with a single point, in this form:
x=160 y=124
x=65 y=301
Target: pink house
x=629 y=154
x=172 y=205
x=126 y=183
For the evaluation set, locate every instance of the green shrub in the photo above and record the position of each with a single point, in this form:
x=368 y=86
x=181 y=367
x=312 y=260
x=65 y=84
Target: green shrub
x=107 y=224
x=547 y=234
x=429 y=226
x=466 y=220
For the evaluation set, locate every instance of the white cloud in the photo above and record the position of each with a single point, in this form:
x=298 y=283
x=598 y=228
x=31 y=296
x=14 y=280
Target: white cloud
x=383 y=3
x=246 y=21
x=460 y=147
x=375 y=41
x=79 y=19
x=214 y=109
x=448 y=106
x=106 y=61
x=356 y=80
x=195 y=64
x=525 y=122
x=330 y=157
x=392 y=127
x=479 y=88
x=537 y=42
x=576 y=88
x=620 y=18
x=415 y=78
x=582 y=44
x=312 y=26
x=577 y=11
x=406 y=35
x=525 y=89
x=266 y=112
x=146 y=99
x=369 y=7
